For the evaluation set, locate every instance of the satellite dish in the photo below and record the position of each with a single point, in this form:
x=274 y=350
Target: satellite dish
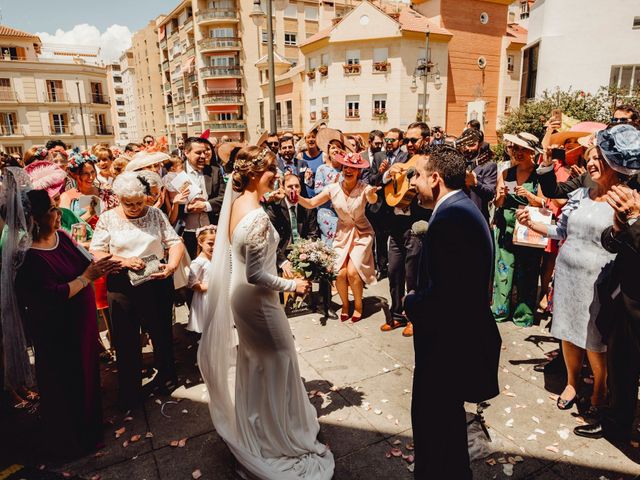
x=482 y=63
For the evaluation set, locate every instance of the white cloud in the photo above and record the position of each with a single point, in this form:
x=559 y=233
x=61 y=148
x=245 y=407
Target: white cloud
x=111 y=43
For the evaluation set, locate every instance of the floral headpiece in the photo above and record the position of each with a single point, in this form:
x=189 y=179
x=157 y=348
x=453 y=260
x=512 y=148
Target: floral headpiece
x=620 y=146
x=41 y=153
x=237 y=165
x=77 y=159
x=206 y=228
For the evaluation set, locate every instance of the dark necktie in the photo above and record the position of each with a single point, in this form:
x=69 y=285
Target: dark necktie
x=295 y=236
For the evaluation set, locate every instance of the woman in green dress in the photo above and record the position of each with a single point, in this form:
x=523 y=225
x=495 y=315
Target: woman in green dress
x=515 y=266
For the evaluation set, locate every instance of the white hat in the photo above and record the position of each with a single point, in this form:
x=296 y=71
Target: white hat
x=144 y=159
x=525 y=140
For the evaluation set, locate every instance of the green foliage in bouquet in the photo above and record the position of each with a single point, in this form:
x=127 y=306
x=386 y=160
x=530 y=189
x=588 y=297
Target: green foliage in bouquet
x=313 y=259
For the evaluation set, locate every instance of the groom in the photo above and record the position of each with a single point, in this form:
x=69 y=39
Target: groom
x=456 y=341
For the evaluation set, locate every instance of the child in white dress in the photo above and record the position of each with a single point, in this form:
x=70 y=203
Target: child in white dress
x=198 y=271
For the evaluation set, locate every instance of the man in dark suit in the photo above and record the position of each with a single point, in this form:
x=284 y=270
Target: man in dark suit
x=482 y=172
x=404 y=245
x=179 y=152
x=456 y=341
x=291 y=221
x=376 y=153
x=205 y=209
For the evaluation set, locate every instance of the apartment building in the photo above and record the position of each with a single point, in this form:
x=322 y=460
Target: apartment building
x=150 y=117
x=118 y=113
x=128 y=72
x=60 y=96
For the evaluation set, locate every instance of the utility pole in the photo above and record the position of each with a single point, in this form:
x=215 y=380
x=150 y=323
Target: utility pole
x=427 y=67
x=84 y=133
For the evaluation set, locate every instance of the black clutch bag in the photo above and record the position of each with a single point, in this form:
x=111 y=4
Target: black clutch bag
x=151 y=266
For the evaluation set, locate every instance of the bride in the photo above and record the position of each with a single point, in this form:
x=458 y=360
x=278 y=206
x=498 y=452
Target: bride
x=256 y=397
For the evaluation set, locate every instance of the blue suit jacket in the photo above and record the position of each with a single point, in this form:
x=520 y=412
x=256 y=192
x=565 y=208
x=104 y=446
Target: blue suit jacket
x=456 y=339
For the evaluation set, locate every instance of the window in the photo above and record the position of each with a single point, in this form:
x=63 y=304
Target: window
x=264 y=37
x=353 y=57
x=626 y=78
x=261 y=115
x=55 y=91
x=291 y=11
x=380 y=54
x=220 y=61
x=120 y=103
x=510 y=63
x=312 y=110
x=8 y=123
x=524 y=9
x=101 y=124
x=353 y=106
x=223 y=33
x=96 y=93
x=122 y=125
x=12 y=53
x=59 y=123
x=311 y=13
x=324 y=59
x=117 y=79
x=290 y=39
x=289 y=105
x=380 y=104
x=507 y=105
x=325 y=107
x=636 y=22
x=529 y=72
x=278 y=115
x=6 y=94
x=13 y=149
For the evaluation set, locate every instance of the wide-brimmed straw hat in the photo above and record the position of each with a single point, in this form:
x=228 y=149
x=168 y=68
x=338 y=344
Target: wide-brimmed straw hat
x=620 y=147
x=578 y=131
x=47 y=176
x=227 y=152
x=353 y=160
x=524 y=140
x=326 y=135
x=145 y=159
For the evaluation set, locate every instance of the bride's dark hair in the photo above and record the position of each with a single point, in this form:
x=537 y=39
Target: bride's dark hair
x=248 y=162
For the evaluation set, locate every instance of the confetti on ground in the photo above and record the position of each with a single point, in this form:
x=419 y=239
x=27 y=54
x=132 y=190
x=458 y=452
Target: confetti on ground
x=66 y=474
x=396 y=365
x=182 y=442
x=411 y=467
x=158 y=401
x=135 y=438
x=540 y=431
x=377 y=411
x=406 y=390
x=568 y=453
x=510 y=394
x=509 y=423
x=508 y=409
x=125 y=444
x=196 y=474
x=120 y=431
x=563 y=434
x=128 y=419
x=409 y=446
x=552 y=448
x=384 y=400
x=535 y=419
x=95 y=477
x=532 y=437
x=386 y=370
x=185 y=411
x=333 y=388
x=148 y=435
x=389 y=417
x=540 y=401
x=634 y=444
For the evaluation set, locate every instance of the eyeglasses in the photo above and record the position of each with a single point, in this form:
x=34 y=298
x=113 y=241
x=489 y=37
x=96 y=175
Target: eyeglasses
x=412 y=140
x=390 y=140
x=273 y=144
x=148 y=142
x=615 y=120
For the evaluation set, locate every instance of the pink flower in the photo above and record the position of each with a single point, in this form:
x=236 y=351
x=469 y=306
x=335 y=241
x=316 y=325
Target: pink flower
x=303 y=256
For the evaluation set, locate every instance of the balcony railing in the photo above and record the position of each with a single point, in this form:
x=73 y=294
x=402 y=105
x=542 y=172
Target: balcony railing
x=167 y=86
x=195 y=103
x=193 y=78
x=353 y=113
x=216 y=14
x=59 y=130
x=230 y=96
x=7 y=95
x=232 y=71
x=178 y=98
x=56 y=97
x=216 y=43
x=188 y=24
x=351 y=68
x=8 y=130
x=226 y=125
x=180 y=120
x=165 y=65
x=163 y=43
x=178 y=83
x=190 y=51
x=99 y=99
x=170 y=108
x=103 y=130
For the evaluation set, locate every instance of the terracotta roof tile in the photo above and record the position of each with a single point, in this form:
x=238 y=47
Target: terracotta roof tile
x=412 y=21
x=517 y=33
x=12 y=32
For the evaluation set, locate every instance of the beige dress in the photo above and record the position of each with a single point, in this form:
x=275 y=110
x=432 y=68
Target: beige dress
x=354 y=234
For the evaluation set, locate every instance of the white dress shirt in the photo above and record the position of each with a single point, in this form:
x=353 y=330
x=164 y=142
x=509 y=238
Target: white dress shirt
x=193 y=221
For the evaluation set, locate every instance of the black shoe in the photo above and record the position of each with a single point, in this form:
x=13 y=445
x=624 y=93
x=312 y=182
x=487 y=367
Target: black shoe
x=563 y=404
x=381 y=274
x=593 y=430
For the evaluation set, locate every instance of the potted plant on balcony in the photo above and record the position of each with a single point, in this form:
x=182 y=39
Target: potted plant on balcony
x=324 y=114
x=351 y=68
x=312 y=116
x=381 y=66
x=324 y=70
x=380 y=114
x=311 y=73
x=353 y=113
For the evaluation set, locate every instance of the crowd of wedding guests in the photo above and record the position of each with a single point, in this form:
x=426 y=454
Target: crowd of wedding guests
x=124 y=236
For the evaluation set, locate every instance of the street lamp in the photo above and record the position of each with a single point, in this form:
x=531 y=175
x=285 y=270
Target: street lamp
x=84 y=133
x=425 y=69
x=257 y=15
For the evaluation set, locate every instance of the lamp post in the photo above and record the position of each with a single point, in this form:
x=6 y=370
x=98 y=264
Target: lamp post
x=424 y=70
x=84 y=133
x=258 y=19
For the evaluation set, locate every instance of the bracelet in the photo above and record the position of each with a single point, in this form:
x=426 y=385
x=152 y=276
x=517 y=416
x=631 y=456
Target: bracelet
x=83 y=281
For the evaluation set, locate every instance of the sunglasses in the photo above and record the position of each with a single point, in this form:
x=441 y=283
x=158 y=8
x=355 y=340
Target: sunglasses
x=412 y=140
x=273 y=143
x=615 y=121
x=390 y=140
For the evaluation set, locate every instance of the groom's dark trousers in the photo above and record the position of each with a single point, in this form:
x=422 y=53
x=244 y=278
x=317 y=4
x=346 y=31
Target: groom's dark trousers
x=456 y=341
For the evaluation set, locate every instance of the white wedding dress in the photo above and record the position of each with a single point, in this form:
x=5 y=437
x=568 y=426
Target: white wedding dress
x=257 y=400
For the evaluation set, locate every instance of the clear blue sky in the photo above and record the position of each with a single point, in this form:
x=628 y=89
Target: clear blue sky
x=47 y=15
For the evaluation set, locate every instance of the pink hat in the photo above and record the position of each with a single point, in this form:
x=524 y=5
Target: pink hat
x=46 y=176
x=353 y=160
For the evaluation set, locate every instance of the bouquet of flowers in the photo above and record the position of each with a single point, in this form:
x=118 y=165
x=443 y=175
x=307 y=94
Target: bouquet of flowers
x=313 y=259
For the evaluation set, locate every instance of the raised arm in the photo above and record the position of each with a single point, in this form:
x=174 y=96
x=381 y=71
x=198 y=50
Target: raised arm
x=315 y=202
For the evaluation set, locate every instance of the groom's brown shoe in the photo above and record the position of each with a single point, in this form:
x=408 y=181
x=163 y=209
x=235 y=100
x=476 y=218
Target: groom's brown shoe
x=408 y=330
x=387 y=327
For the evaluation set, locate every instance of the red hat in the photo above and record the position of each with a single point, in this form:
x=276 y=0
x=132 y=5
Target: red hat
x=351 y=159
x=46 y=176
x=206 y=134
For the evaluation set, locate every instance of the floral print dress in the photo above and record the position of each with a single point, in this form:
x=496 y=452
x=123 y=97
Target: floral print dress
x=327 y=218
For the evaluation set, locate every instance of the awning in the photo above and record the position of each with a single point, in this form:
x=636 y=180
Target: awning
x=161 y=33
x=188 y=66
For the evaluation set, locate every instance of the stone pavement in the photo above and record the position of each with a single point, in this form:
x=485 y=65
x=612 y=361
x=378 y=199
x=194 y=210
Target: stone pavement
x=359 y=380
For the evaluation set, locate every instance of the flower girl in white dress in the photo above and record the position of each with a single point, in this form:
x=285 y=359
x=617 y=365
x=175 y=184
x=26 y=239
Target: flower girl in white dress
x=198 y=275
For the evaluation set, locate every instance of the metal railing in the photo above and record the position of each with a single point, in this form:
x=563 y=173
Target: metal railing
x=56 y=97
x=8 y=130
x=216 y=14
x=99 y=98
x=188 y=24
x=59 y=130
x=165 y=65
x=231 y=71
x=219 y=43
x=226 y=125
x=230 y=96
x=103 y=130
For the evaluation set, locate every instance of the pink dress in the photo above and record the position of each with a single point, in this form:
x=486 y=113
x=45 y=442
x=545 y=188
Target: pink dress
x=354 y=234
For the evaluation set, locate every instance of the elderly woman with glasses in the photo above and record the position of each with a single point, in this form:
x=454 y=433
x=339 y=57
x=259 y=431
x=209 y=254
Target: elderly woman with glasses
x=516 y=266
x=354 y=234
x=141 y=239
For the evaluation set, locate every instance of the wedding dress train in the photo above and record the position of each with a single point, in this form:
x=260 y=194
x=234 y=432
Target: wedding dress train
x=258 y=402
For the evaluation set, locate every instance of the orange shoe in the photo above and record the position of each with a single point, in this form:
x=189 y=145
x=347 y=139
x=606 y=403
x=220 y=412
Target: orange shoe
x=386 y=327
x=408 y=330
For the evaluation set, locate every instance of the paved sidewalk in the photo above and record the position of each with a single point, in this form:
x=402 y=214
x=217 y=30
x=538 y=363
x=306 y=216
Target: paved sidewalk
x=359 y=380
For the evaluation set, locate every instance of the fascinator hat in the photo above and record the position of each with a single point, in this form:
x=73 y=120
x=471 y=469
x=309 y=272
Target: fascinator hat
x=620 y=147
x=46 y=176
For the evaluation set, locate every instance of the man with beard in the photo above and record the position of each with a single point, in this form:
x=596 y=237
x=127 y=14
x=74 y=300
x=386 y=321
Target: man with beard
x=404 y=245
x=456 y=342
x=376 y=142
x=482 y=172
x=272 y=142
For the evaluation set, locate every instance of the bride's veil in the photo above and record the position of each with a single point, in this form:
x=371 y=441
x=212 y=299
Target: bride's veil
x=217 y=351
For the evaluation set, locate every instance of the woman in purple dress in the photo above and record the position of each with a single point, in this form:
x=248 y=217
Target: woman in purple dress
x=58 y=305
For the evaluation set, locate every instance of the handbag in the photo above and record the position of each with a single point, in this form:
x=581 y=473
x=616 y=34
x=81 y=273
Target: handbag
x=151 y=266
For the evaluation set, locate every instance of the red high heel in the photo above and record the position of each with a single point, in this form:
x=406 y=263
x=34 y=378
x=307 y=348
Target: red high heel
x=344 y=317
x=356 y=318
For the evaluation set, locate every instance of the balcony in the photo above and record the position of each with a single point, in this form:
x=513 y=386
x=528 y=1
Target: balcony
x=163 y=43
x=59 y=130
x=193 y=78
x=226 y=125
x=221 y=72
x=56 y=97
x=190 y=51
x=353 y=114
x=229 y=97
x=7 y=95
x=379 y=114
x=180 y=120
x=381 y=67
x=195 y=103
x=170 y=109
x=167 y=86
x=216 y=15
x=99 y=99
x=351 y=68
x=177 y=98
x=11 y=130
x=103 y=130
x=219 y=43
x=188 y=25
x=178 y=83
x=165 y=65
